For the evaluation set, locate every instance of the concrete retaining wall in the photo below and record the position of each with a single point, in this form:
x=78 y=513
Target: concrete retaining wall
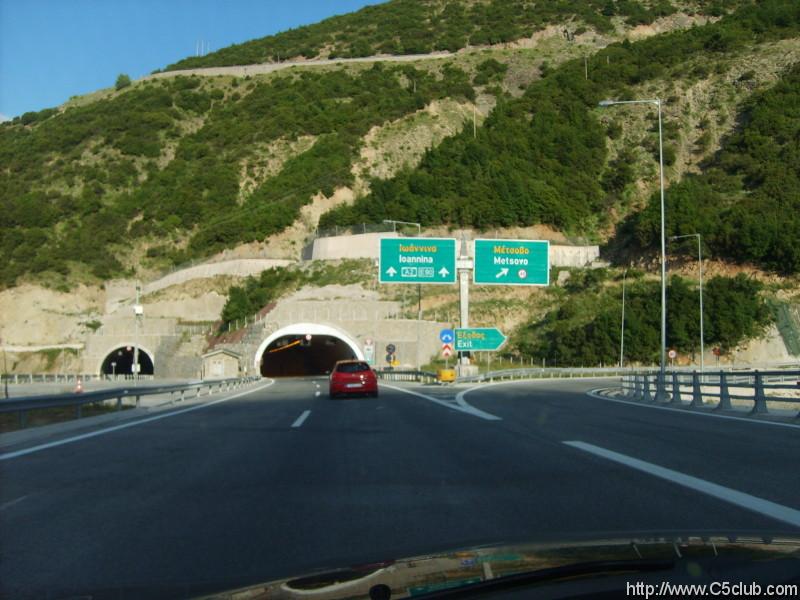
x=573 y=256
x=207 y=307
x=329 y=311
x=367 y=245
x=362 y=245
x=238 y=268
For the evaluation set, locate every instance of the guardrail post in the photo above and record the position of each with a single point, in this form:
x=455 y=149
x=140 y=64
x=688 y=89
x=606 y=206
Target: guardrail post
x=759 y=398
x=637 y=387
x=697 y=393
x=119 y=403
x=724 y=393
x=661 y=388
x=23 y=418
x=138 y=400
x=646 y=396
x=676 y=389
x=78 y=411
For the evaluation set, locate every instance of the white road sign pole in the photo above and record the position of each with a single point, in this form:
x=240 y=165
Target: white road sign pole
x=464 y=264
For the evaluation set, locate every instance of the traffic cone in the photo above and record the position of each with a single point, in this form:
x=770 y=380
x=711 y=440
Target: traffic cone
x=79 y=387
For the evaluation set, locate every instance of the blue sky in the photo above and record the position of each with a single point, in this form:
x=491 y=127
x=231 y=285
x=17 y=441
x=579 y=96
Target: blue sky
x=53 y=49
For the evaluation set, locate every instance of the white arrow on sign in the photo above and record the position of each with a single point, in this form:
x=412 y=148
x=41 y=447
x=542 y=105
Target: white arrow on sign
x=391 y=271
x=503 y=272
x=444 y=272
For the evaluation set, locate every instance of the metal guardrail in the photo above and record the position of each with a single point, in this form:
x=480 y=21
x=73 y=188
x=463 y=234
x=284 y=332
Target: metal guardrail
x=544 y=373
x=422 y=376
x=180 y=392
x=573 y=372
x=715 y=384
x=17 y=378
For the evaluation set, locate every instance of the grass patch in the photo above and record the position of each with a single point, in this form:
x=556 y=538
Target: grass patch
x=47 y=416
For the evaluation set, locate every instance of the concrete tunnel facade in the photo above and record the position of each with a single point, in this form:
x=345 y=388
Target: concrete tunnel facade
x=288 y=352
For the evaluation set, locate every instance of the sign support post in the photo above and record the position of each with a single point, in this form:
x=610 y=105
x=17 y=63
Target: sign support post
x=464 y=275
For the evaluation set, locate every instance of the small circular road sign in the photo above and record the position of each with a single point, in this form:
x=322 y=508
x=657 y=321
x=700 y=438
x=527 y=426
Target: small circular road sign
x=446 y=336
x=522 y=273
x=390 y=348
x=672 y=354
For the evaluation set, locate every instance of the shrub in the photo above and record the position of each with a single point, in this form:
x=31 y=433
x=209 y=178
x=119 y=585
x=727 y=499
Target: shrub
x=123 y=81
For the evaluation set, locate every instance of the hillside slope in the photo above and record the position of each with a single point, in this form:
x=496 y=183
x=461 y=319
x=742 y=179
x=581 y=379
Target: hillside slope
x=543 y=158
x=423 y=26
x=178 y=168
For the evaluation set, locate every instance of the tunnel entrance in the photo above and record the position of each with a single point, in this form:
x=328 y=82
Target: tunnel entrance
x=304 y=349
x=294 y=356
x=120 y=362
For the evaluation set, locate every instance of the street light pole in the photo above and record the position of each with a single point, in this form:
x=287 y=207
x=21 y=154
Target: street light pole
x=137 y=313
x=700 y=263
x=660 y=387
x=702 y=338
x=622 y=333
x=5 y=371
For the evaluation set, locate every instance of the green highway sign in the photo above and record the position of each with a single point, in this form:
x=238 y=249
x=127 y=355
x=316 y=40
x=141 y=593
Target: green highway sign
x=417 y=260
x=512 y=262
x=479 y=338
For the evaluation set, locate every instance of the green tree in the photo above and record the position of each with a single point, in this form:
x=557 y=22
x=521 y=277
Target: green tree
x=123 y=81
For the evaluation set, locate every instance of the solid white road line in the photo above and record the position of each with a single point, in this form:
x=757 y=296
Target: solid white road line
x=12 y=502
x=92 y=434
x=460 y=406
x=752 y=503
x=481 y=386
x=683 y=411
x=301 y=419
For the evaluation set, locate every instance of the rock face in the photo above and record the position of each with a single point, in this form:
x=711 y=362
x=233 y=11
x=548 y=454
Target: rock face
x=31 y=315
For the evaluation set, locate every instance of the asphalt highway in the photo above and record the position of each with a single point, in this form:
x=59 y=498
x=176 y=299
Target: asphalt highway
x=278 y=480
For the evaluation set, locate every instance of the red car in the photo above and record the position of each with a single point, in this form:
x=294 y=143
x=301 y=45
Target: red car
x=353 y=377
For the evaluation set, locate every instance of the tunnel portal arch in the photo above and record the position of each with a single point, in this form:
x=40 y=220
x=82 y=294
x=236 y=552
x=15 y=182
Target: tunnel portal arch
x=287 y=352
x=122 y=357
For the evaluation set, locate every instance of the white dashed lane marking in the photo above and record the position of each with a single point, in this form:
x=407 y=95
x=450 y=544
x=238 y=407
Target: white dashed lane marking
x=301 y=419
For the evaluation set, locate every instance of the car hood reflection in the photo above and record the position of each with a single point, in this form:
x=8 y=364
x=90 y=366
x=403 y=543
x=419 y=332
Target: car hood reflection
x=544 y=562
